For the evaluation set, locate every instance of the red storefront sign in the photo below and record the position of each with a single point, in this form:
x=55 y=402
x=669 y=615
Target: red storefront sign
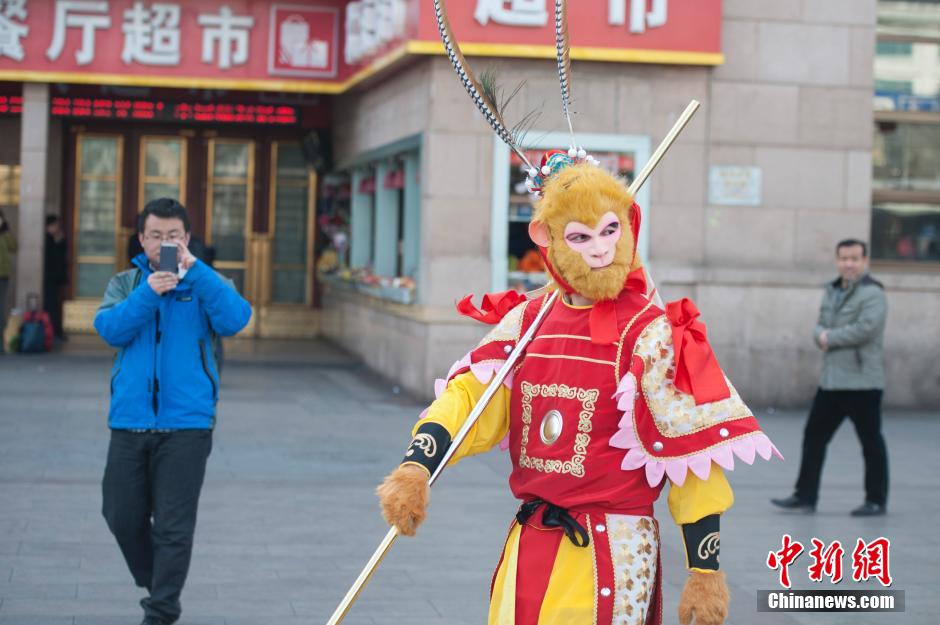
x=245 y=44
x=324 y=45
x=651 y=31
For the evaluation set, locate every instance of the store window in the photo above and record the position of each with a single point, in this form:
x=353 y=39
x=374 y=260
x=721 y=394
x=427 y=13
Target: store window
x=333 y=222
x=9 y=185
x=516 y=261
x=905 y=222
x=97 y=211
x=894 y=48
x=382 y=199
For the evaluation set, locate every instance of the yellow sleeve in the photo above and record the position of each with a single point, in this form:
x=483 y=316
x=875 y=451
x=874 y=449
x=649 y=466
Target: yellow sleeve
x=452 y=408
x=697 y=498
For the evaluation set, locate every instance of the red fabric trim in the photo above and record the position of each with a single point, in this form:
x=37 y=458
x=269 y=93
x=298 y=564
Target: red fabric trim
x=603 y=564
x=697 y=370
x=495 y=306
x=537 y=551
x=495 y=350
x=648 y=433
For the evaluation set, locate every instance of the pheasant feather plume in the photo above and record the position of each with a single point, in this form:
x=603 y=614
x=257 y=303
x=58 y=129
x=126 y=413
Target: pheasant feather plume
x=476 y=91
x=563 y=57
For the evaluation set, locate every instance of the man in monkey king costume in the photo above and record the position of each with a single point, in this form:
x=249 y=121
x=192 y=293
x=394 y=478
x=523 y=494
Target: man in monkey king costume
x=612 y=396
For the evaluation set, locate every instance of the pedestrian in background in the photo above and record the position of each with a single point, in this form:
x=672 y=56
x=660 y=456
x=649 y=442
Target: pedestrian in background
x=55 y=273
x=164 y=389
x=850 y=333
x=7 y=249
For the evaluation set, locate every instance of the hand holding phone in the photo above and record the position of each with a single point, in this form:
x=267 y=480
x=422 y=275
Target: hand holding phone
x=168 y=258
x=162 y=282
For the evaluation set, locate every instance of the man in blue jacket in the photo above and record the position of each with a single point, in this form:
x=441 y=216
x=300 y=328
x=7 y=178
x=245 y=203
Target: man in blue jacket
x=164 y=389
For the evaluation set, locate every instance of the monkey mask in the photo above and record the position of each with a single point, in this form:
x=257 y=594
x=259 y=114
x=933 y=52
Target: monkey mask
x=586 y=226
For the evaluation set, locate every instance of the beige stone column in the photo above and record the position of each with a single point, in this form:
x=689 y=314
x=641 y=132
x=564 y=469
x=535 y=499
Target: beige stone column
x=34 y=148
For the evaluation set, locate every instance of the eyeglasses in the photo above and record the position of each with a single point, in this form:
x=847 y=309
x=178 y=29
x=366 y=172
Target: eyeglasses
x=170 y=237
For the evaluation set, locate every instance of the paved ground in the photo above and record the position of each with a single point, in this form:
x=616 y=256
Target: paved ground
x=288 y=516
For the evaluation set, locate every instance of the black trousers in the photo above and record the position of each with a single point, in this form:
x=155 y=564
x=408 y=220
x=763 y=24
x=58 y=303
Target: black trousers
x=150 y=492
x=828 y=411
x=52 y=303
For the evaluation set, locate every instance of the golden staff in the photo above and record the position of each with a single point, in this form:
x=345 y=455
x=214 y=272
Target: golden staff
x=353 y=593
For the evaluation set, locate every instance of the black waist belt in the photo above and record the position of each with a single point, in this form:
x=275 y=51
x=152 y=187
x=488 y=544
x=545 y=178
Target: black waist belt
x=555 y=516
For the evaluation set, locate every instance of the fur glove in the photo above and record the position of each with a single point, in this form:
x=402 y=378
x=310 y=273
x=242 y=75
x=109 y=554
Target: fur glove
x=404 y=497
x=705 y=597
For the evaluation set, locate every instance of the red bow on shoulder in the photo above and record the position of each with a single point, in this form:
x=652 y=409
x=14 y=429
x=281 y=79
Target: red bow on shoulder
x=495 y=306
x=697 y=370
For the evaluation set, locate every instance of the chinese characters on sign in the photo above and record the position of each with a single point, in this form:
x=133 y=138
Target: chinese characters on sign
x=78 y=14
x=277 y=44
x=228 y=33
x=640 y=17
x=519 y=12
x=869 y=560
x=535 y=13
x=152 y=32
x=370 y=25
x=734 y=185
x=152 y=36
x=12 y=29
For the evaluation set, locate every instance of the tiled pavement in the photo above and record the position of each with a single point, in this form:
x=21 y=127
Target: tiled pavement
x=288 y=515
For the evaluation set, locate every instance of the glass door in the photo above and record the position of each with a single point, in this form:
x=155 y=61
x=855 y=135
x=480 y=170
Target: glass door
x=291 y=226
x=162 y=169
x=229 y=194
x=98 y=168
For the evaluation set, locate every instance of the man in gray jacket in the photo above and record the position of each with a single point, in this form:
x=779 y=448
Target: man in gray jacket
x=850 y=333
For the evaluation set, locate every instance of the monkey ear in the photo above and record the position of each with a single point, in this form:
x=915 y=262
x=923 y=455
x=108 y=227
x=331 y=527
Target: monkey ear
x=538 y=232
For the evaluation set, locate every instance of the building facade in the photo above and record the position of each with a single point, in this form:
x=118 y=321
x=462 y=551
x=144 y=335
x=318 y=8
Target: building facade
x=388 y=179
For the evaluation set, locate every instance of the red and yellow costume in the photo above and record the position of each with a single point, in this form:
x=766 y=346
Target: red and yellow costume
x=624 y=425
x=607 y=403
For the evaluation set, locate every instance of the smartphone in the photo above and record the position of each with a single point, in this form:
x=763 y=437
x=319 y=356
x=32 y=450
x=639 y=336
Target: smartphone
x=168 y=256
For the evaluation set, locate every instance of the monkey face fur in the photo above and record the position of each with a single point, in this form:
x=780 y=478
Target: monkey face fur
x=583 y=219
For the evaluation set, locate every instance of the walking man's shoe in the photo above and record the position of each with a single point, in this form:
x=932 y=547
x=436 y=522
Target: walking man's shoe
x=152 y=620
x=870 y=508
x=794 y=504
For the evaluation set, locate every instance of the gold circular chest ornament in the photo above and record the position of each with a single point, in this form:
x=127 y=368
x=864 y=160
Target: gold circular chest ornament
x=551 y=426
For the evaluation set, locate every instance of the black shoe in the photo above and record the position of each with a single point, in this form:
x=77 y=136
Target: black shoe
x=870 y=508
x=794 y=504
x=153 y=620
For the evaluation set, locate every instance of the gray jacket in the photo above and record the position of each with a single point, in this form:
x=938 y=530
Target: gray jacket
x=855 y=319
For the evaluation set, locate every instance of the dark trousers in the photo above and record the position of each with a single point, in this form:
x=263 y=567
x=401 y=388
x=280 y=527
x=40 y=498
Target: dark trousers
x=828 y=411
x=52 y=303
x=150 y=492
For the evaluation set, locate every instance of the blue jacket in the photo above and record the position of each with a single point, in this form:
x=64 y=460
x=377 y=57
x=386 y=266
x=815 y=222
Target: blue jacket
x=164 y=374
